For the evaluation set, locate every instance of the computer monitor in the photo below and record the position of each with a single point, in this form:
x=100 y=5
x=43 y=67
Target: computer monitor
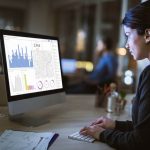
x=32 y=70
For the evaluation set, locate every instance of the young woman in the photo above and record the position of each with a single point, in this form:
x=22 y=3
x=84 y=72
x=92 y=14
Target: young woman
x=135 y=134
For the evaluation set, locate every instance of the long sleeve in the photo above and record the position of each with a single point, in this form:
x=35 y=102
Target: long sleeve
x=124 y=126
x=138 y=138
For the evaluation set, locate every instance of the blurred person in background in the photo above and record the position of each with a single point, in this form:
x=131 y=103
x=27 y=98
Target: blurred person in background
x=135 y=134
x=104 y=72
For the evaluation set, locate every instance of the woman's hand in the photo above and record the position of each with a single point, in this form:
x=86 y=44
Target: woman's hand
x=93 y=131
x=104 y=122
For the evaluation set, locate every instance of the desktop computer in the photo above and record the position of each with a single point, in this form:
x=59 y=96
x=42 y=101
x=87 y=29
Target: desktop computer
x=32 y=71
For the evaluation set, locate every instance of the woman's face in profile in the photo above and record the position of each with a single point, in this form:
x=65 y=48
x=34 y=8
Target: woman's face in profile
x=135 y=44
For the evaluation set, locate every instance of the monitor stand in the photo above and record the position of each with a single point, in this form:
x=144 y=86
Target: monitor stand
x=29 y=120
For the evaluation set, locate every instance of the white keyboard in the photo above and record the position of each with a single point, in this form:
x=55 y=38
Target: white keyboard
x=80 y=137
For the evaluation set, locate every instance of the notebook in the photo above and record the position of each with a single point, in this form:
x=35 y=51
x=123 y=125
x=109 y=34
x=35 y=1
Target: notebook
x=21 y=140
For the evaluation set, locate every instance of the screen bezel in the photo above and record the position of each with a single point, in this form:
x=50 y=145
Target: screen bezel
x=28 y=95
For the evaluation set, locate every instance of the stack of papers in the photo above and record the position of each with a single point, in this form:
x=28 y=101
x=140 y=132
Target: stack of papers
x=20 y=140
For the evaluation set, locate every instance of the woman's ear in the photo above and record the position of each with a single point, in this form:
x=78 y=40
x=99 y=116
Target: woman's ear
x=147 y=36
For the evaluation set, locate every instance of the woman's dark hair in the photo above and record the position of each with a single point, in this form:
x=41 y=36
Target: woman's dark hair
x=138 y=17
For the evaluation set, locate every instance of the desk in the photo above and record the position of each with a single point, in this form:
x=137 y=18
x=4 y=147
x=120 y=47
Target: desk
x=67 y=118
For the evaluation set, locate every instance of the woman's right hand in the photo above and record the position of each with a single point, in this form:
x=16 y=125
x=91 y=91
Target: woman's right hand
x=104 y=122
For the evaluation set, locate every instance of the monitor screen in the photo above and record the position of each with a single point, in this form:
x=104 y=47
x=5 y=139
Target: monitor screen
x=31 y=64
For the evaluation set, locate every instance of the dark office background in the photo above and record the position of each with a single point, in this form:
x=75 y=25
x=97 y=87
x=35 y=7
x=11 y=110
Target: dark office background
x=69 y=18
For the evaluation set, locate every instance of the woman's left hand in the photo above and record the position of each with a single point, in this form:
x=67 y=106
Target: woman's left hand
x=94 y=131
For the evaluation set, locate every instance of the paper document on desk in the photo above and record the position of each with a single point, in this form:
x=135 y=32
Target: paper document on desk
x=20 y=140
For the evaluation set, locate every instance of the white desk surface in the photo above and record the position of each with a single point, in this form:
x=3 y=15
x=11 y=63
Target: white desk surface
x=67 y=118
